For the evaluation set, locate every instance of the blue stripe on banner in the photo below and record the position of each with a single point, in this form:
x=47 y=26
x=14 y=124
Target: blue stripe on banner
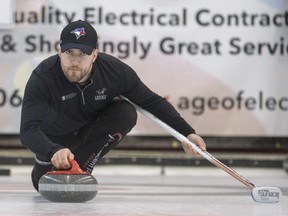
x=277 y=4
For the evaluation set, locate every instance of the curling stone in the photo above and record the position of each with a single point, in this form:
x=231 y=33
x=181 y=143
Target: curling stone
x=74 y=185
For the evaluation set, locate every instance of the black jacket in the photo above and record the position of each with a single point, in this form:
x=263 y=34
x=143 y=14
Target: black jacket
x=54 y=106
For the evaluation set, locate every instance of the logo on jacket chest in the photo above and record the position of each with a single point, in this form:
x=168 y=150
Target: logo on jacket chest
x=101 y=94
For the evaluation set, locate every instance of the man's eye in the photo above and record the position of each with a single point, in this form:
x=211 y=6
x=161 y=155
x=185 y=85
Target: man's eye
x=79 y=54
x=68 y=52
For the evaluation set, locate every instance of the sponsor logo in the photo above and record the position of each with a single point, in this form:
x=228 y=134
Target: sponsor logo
x=101 y=94
x=265 y=194
x=68 y=96
x=90 y=163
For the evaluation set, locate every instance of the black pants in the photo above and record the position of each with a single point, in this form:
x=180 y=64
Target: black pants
x=94 y=140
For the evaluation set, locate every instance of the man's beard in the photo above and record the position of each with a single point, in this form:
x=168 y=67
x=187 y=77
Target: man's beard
x=74 y=74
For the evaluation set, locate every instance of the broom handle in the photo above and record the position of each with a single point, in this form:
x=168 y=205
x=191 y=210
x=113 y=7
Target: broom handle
x=182 y=138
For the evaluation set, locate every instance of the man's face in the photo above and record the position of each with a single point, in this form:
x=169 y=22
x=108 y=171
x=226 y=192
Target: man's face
x=77 y=65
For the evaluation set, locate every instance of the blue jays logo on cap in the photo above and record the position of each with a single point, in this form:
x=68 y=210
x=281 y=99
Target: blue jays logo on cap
x=78 y=35
x=78 y=32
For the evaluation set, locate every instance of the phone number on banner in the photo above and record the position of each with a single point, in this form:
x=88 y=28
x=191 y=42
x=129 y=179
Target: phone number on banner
x=10 y=98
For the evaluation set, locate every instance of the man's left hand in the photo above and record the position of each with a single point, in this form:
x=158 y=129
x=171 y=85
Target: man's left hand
x=197 y=140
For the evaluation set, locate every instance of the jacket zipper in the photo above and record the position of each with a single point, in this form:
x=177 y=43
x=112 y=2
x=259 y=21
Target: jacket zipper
x=83 y=98
x=82 y=91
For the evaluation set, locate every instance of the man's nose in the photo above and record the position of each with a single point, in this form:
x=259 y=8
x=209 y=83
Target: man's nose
x=75 y=60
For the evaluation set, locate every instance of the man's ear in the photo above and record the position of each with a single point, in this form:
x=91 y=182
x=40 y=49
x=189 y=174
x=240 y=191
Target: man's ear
x=58 y=48
x=95 y=54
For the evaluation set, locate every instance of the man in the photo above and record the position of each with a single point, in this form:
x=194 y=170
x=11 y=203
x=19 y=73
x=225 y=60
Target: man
x=69 y=109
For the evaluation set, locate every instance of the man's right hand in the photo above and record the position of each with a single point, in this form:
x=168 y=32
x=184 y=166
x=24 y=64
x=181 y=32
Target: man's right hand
x=60 y=158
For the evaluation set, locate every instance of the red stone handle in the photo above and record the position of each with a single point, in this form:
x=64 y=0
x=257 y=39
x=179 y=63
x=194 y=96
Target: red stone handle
x=74 y=170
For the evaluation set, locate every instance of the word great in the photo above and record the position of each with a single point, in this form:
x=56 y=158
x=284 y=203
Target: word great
x=235 y=46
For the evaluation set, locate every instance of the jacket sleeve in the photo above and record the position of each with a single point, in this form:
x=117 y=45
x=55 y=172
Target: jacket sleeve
x=140 y=94
x=35 y=105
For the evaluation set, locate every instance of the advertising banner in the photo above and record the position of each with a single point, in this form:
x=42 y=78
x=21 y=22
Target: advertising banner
x=221 y=63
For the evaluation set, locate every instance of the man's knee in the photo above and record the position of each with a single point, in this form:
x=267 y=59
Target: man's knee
x=128 y=113
x=121 y=113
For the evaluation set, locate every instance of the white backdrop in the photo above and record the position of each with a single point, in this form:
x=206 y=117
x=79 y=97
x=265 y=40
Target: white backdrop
x=221 y=63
